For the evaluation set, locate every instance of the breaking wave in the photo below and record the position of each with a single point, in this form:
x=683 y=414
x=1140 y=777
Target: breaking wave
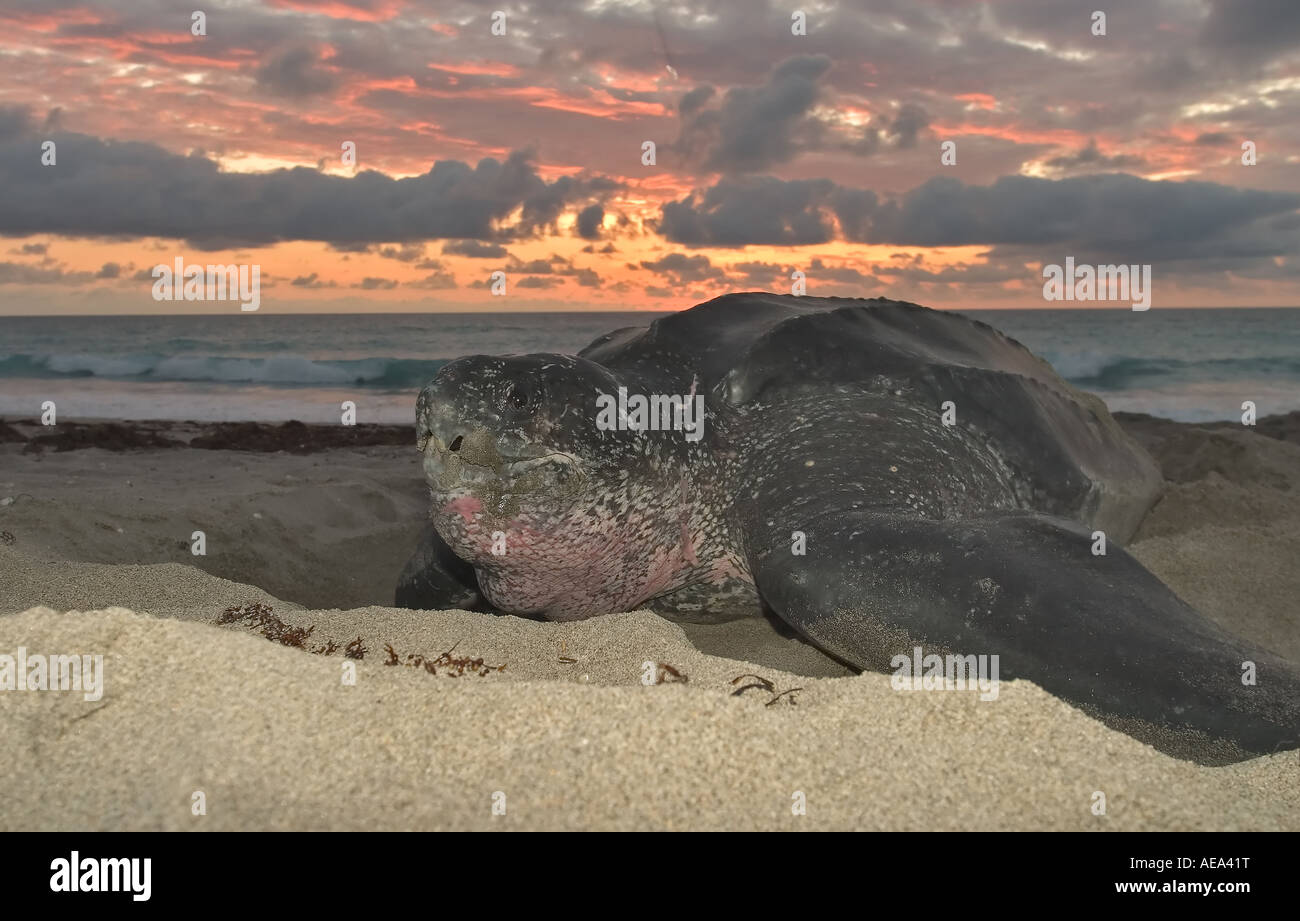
x=281 y=370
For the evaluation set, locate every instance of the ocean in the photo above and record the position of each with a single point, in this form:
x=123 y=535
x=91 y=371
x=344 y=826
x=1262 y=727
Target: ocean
x=1188 y=365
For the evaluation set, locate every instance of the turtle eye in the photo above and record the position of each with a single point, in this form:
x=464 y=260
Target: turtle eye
x=521 y=397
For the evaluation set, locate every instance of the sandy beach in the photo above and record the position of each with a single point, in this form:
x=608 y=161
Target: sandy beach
x=227 y=674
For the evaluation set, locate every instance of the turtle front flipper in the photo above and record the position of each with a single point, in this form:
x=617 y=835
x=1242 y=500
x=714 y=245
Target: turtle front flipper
x=435 y=579
x=1099 y=631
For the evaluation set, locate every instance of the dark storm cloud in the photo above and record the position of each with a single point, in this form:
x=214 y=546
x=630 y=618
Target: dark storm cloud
x=754 y=128
x=692 y=101
x=1135 y=219
x=437 y=281
x=309 y=281
x=589 y=220
x=1092 y=159
x=294 y=72
x=474 y=249
x=533 y=267
x=103 y=188
x=554 y=264
x=407 y=252
x=547 y=201
x=901 y=131
x=1109 y=212
x=15 y=273
x=907 y=125
x=763 y=210
x=684 y=269
x=14 y=121
x=757 y=128
x=997 y=269
x=819 y=271
x=1252 y=28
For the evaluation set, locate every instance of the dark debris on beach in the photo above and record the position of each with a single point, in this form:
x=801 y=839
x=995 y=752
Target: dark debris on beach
x=260 y=618
x=291 y=437
x=453 y=666
x=303 y=438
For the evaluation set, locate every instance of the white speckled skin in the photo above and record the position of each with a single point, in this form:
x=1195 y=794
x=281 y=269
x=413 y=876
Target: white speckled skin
x=590 y=521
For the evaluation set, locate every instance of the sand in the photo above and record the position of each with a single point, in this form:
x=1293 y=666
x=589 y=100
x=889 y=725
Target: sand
x=94 y=560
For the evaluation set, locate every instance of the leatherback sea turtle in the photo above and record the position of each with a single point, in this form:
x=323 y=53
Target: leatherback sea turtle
x=878 y=475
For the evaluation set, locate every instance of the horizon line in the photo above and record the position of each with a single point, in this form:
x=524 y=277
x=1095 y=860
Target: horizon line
x=406 y=313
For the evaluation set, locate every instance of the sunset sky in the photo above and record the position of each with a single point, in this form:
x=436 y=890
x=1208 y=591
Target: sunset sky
x=522 y=152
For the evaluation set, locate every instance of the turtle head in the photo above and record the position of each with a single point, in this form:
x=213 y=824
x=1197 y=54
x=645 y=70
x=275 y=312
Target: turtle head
x=533 y=487
x=509 y=433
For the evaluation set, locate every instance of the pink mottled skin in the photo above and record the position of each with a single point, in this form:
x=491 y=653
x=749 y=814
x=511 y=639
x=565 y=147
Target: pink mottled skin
x=592 y=521
x=466 y=507
x=576 y=567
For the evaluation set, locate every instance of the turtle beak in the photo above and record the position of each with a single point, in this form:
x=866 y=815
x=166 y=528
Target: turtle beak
x=455 y=451
x=435 y=419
